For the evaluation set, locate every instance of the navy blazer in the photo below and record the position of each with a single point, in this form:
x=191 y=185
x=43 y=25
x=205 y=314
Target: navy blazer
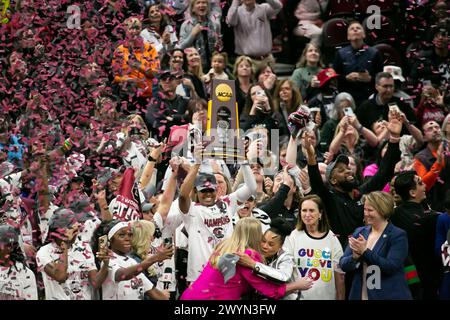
x=389 y=254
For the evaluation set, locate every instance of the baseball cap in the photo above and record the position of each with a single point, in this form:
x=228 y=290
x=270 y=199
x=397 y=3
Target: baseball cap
x=166 y=73
x=205 y=181
x=340 y=159
x=326 y=75
x=395 y=71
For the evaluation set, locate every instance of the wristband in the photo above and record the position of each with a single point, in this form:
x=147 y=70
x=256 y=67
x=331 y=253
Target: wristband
x=360 y=128
x=151 y=159
x=67 y=145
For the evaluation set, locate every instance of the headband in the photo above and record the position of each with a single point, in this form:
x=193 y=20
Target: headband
x=116 y=228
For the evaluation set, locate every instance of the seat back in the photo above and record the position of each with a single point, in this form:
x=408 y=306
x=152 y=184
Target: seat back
x=341 y=8
x=390 y=55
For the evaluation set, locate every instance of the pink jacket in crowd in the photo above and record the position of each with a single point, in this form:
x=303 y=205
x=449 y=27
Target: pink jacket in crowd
x=210 y=284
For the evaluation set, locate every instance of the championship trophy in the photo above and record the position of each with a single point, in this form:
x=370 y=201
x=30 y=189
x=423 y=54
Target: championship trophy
x=223 y=123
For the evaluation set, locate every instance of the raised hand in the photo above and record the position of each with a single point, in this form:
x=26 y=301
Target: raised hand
x=104 y=255
x=268 y=184
x=164 y=252
x=310 y=150
x=198 y=153
x=175 y=164
x=196 y=29
x=245 y=260
x=156 y=151
x=343 y=124
x=287 y=179
x=394 y=125
x=304 y=179
x=254 y=149
x=328 y=157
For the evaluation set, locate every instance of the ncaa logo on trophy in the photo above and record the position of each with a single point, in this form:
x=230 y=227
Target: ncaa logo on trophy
x=223 y=123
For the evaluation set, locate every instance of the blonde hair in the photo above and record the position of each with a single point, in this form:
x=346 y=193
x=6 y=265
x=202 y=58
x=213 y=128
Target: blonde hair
x=381 y=201
x=141 y=122
x=241 y=59
x=143 y=232
x=199 y=70
x=191 y=7
x=246 y=234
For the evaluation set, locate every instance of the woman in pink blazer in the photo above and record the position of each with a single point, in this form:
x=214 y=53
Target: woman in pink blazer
x=222 y=279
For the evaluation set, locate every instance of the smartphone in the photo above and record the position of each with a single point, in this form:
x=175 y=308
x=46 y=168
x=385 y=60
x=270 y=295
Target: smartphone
x=152 y=142
x=349 y=112
x=394 y=107
x=260 y=93
x=102 y=243
x=168 y=242
x=135 y=132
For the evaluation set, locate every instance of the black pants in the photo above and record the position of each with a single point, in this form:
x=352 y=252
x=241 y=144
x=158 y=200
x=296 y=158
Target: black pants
x=181 y=257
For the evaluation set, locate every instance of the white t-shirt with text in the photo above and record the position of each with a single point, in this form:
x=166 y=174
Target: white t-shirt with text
x=318 y=259
x=17 y=283
x=206 y=227
x=133 y=289
x=80 y=263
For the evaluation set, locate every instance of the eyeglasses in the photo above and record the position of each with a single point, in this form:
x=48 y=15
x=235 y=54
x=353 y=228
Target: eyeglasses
x=207 y=190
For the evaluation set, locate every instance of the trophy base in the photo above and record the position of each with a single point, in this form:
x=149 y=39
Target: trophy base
x=225 y=153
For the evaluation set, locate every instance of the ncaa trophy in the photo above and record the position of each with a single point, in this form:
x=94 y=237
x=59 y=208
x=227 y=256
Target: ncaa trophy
x=223 y=123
